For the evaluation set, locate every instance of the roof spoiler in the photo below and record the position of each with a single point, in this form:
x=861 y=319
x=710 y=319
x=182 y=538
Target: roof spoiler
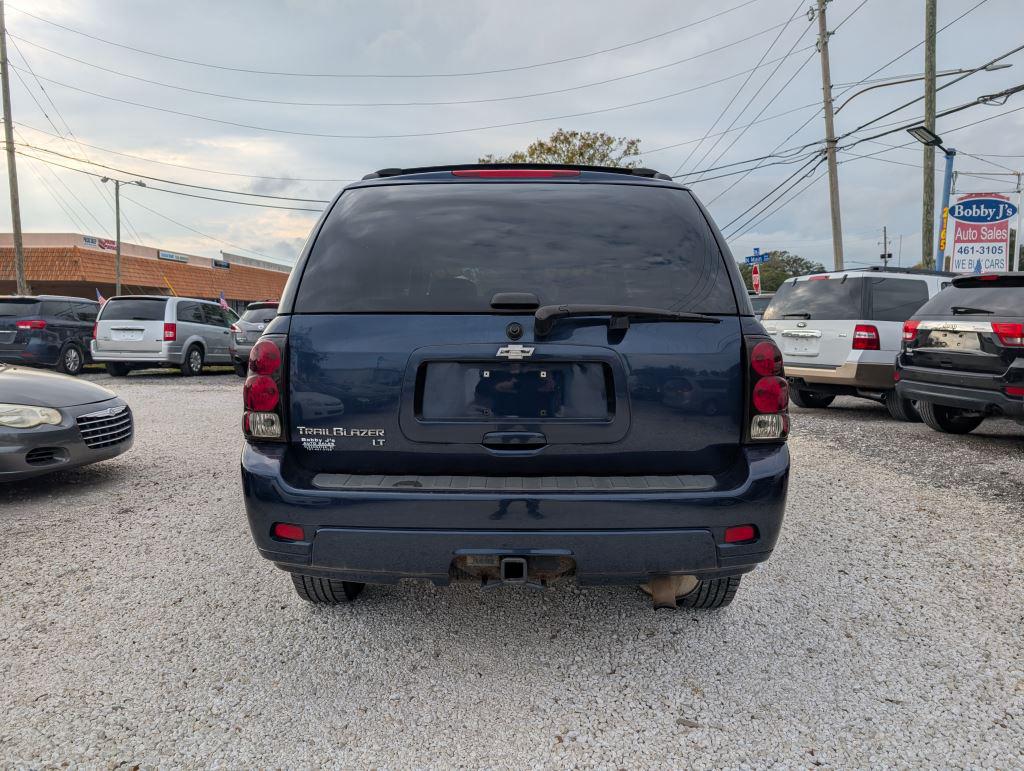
x=396 y=172
x=1015 y=279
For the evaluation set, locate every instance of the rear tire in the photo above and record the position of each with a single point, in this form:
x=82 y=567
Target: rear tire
x=115 y=369
x=325 y=591
x=241 y=369
x=192 y=364
x=900 y=408
x=811 y=399
x=712 y=593
x=72 y=360
x=948 y=420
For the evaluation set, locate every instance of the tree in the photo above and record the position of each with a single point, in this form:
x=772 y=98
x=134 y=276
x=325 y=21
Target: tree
x=780 y=266
x=582 y=148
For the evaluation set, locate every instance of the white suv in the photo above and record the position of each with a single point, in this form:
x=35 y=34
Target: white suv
x=840 y=332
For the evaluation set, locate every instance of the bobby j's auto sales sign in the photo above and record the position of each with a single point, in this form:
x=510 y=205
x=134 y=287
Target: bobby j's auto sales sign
x=981 y=232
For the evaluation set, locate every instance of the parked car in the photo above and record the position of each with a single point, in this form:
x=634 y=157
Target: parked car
x=50 y=421
x=506 y=308
x=145 y=331
x=760 y=303
x=247 y=330
x=47 y=331
x=963 y=353
x=840 y=332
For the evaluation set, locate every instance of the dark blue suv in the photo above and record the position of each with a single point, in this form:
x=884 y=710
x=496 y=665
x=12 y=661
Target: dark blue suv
x=47 y=331
x=514 y=375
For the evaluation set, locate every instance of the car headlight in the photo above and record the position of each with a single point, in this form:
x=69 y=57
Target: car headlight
x=27 y=416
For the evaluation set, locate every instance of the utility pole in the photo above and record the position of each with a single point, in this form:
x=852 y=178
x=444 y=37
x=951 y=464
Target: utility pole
x=928 y=164
x=12 y=169
x=886 y=256
x=117 y=234
x=830 y=138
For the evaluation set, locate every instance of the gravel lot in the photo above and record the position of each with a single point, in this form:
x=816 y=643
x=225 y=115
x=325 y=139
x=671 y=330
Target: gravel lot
x=140 y=627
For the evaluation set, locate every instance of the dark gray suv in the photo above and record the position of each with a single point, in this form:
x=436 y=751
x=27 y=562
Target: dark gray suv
x=47 y=331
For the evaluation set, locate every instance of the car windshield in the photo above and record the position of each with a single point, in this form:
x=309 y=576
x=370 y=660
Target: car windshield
x=134 y=309
x=20 y=306
x=990 y=301
x=451 y=247
x=832 y=298
x=760 y=303
x=259 y=315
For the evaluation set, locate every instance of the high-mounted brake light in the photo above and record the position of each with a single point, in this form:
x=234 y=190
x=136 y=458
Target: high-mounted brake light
x=818 y=278
x=170 y=331
x=987 y=277
x=865 y=338
x=515 y=173
x=910 y=329
x=30 y=324
x=1010 y=333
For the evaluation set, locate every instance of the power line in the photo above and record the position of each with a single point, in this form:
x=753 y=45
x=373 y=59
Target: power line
x=417 y=75
x=174 y=182
x=76 y=223
x=321 y=135
x=258 y=100
x=175 y=192
x=743 y=85
x=816 y=161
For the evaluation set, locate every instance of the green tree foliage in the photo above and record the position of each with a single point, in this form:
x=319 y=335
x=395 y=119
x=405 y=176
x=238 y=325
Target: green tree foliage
x=780 y=266
x=583 y=148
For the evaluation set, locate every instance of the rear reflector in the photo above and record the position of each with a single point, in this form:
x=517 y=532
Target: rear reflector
x=865 y=338
x=1014 y=390
x=285 y=531
x=170 y=331
x=740 y=534
x=515 y=173
x=31 y=324
x=1010 y=333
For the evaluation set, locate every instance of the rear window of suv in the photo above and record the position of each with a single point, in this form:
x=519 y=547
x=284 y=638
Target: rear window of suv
x=134 y=309
x=450 y=247
x=259 y=315
x=827 y=298
x=18 y=307
x=982 y=300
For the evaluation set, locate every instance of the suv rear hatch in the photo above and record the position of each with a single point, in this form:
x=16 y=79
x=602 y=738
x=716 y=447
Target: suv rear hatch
x=413 y=346
x=974 y=326
x=131 y=325
x=13 y=310
x=812 y=320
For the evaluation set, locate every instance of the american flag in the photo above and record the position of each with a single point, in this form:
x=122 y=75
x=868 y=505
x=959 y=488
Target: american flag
x=100 y=298
x=223 y=302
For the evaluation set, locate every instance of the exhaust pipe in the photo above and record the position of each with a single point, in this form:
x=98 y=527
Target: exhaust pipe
x=665 y=589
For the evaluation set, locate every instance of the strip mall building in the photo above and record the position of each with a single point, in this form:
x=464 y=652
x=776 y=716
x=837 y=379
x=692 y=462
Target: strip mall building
x=80 y=265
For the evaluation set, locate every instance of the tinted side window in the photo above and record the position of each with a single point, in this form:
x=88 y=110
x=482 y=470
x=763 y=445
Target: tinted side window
x=191 y=313
x=436 y=248
x=86 y=311
x=216 y=316
x=58 y=309
x=896 y=299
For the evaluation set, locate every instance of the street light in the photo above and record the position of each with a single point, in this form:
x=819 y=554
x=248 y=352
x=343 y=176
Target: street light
x=929 y=138
x=117 y=216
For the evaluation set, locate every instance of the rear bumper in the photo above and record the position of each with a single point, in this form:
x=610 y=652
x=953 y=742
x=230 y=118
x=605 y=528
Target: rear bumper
x=613 y=537
x=169 y=353
x=870 y=376
x=974 y=399
x=37 y=352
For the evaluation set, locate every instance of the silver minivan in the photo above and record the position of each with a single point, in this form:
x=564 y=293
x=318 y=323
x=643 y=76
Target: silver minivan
x=144 y=331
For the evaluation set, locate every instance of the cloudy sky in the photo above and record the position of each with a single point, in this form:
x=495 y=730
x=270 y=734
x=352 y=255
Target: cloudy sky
x=660 y=70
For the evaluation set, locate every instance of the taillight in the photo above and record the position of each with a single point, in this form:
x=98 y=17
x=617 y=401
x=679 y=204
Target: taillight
x=234 y=329
x=264 y=390
x=30 y=324
x=910 y=330
x=1010 y=333
x=170 y=332
x=1014 y=390
x=95 y=331
x=865 y=338
x=768 y=392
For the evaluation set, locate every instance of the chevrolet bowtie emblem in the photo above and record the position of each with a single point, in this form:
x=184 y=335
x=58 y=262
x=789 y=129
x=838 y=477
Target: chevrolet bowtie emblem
x=515 y=352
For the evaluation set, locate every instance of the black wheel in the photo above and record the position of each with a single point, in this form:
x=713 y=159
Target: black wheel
x=811 y=398
x=949 y=420
x=241 y=370
x=192 y=364
x=116 y=369
x=710 y=594
x=72 y=360
x=325 y=591
x=900 y=408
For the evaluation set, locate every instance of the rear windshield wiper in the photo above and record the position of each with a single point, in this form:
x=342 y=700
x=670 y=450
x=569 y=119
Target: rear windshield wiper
x=546 y=316
x=959 y=310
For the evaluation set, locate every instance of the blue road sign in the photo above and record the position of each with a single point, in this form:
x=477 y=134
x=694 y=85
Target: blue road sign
x=757 y=258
